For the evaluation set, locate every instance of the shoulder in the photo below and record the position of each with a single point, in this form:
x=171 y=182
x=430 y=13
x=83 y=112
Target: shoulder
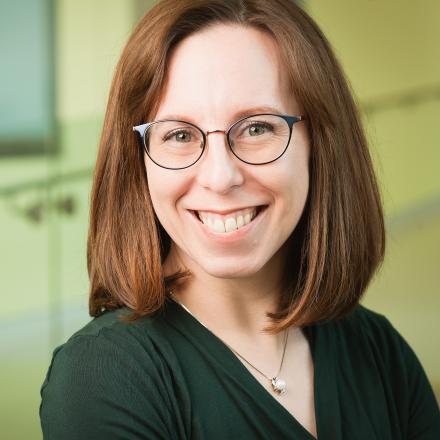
x=373 y=334
x=109 y=341
x=109 y=372
x=369 y=326
x=375 y=348
x=370 y=320
x=106 y=336
x=112 y=320
x=364 y=318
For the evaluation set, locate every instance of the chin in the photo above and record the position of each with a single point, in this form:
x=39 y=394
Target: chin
x=233 y=268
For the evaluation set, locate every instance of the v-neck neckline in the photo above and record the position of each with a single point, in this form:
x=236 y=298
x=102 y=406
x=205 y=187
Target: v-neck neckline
x=324 y=387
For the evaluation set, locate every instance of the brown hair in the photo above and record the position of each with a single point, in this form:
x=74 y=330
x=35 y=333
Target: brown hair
x=340 y=239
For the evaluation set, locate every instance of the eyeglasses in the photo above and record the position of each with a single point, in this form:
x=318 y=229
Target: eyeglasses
x=256 y=140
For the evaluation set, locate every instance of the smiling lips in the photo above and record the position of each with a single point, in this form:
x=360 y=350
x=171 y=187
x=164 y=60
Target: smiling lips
x=228 y=222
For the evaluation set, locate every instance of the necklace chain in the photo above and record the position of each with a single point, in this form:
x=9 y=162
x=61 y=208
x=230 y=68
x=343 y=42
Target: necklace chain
x=278 y=385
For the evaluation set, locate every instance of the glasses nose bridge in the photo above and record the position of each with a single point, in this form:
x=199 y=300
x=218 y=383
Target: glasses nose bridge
x=225 y=132
x=216 y=131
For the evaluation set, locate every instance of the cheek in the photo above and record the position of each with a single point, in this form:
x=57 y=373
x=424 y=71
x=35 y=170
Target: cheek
x=165 y=187
x=290 y=187
x=290 y=180
x=159 y=194
x=294 y=195
x=295 y=174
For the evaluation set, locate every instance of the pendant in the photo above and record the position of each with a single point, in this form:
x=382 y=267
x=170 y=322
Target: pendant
x=279 y=385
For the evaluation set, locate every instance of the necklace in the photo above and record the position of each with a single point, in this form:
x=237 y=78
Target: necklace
x=278 y=384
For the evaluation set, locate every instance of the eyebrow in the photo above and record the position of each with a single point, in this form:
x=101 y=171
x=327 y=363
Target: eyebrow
x=235 y=116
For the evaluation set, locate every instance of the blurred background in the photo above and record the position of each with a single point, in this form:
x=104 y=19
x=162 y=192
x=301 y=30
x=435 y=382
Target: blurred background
x=58 y=58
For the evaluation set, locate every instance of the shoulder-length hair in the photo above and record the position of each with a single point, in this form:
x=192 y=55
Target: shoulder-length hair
x=340 y=239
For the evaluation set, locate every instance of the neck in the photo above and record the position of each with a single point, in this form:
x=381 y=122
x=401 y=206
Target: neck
x=235 y=310
x=229 y=306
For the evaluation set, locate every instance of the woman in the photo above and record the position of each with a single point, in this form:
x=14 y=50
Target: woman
x=235 y=223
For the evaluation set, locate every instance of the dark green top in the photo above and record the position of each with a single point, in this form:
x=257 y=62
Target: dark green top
x=168 y=377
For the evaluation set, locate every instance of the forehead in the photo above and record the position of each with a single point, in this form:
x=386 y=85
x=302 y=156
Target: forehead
x=221 y=71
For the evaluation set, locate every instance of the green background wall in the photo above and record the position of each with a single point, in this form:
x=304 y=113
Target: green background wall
x=391 y=54
x=390 y=51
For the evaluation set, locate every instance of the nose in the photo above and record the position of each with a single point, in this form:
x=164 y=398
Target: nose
x=219 y=170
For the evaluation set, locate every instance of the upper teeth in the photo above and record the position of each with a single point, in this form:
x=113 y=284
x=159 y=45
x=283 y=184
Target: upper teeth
x=228 y=222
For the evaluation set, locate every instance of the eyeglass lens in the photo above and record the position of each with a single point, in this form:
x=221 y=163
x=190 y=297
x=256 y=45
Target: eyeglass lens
x=257 y=139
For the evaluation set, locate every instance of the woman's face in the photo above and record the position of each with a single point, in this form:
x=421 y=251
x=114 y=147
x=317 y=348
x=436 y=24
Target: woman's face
x=213 y=77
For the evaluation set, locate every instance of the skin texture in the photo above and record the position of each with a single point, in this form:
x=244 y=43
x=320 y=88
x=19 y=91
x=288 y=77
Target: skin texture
x=247 y=77
x=213 y=75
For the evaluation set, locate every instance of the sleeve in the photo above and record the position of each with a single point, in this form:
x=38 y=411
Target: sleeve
x=96 y=389
x=424 y=413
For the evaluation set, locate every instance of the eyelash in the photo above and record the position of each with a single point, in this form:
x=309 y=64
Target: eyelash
x=259 y=123
x=173 y=133
x=249 y=124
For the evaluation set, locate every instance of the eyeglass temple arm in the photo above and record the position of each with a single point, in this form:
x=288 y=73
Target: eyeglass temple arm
x=141 y=128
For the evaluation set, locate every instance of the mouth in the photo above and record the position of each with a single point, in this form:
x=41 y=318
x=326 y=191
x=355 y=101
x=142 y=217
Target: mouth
x=226 y=223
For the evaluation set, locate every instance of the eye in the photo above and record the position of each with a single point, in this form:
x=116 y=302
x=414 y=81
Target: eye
x=258 y=128
x=178 y=135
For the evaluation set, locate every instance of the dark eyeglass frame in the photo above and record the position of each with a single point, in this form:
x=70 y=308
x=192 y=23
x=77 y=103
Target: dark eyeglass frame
x=142 y=129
